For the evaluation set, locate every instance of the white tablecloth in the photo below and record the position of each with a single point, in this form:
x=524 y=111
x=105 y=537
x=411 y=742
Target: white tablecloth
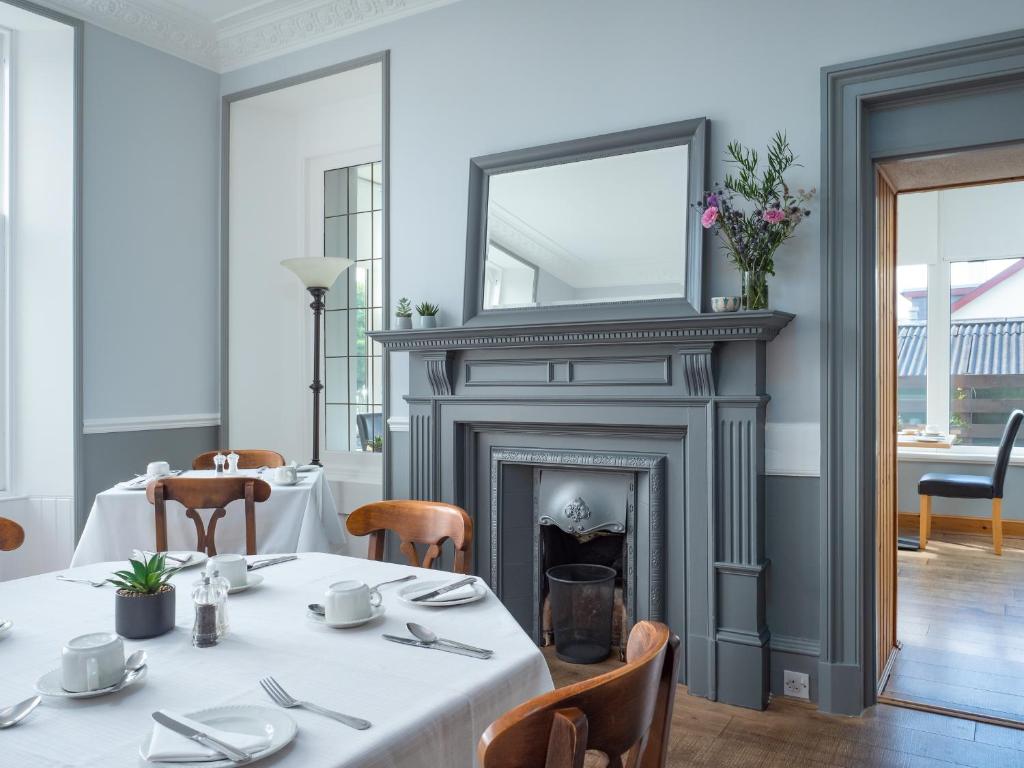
x=428 y=708
x=297 y=518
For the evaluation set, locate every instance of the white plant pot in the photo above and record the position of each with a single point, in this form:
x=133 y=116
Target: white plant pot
x=403 y=323
x=428 y=321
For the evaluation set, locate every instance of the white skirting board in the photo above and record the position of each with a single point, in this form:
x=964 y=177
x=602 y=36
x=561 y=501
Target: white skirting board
x=49 y=523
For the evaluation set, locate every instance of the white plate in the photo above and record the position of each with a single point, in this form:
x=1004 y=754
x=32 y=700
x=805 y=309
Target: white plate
x=255 y=579
x=240 y=718
x=49 y=685
x=375 y=612
x=422 y=587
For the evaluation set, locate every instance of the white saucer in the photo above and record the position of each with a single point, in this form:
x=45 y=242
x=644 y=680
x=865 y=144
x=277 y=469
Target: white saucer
x=49 y=685
x=240 y=718
x=283 y=485
x=375 y=612
x=420 y=588
x=255 y=579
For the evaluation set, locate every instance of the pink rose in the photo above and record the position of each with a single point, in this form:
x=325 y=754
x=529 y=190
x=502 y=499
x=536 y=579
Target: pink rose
x=773 y=215
x=710 y=217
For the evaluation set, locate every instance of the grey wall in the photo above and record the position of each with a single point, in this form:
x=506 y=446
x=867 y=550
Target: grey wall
x=909 y=472
x=150 y=254
x=581 y=67
x=150 y=223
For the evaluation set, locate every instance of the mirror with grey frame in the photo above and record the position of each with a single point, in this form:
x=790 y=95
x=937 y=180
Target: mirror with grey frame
x=588 y=229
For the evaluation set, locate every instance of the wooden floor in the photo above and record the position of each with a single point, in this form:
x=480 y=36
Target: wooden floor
x=961 y=621
x=793 y=734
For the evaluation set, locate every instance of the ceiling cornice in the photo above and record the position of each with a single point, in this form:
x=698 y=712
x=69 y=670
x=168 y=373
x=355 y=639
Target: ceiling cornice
x=261 y=32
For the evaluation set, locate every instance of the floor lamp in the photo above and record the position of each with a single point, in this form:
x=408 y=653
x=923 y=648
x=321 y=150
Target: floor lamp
x=318 y=274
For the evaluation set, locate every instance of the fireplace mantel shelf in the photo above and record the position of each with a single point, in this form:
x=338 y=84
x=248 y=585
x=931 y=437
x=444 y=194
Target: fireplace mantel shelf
x=708 y=327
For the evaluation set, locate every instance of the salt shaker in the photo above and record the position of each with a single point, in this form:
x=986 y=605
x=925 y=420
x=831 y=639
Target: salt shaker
x=233 y=463
x=222 y=584
x=218 y=462
x=208 y=598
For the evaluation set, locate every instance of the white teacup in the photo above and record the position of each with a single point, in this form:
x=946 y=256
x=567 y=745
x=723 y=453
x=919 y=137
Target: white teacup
x=347 y=601
x=231 y=567
x=285 y=476
x=90 y=662
x=158 y=468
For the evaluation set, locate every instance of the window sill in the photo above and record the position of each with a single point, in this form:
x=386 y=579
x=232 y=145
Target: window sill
x=957 y=456
x=8 y=496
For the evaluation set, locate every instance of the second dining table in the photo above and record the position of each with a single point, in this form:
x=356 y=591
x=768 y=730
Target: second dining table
x=296 y=518
x=427 y=708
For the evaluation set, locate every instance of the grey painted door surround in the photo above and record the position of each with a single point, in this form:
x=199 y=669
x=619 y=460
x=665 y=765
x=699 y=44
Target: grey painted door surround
x=962 y=95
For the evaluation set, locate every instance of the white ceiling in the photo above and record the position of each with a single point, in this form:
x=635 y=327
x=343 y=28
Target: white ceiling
x=223 y=35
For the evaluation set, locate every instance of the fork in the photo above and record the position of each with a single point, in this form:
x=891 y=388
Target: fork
x=61 y=577
x=283 y=699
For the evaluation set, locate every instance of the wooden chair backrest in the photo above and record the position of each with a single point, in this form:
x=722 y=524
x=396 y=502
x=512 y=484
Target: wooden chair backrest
x=12 y=535
x=625 y=712
x=207 y=493
x=248 y=458
x=428 y=523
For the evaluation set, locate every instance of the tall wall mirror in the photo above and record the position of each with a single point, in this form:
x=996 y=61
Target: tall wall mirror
x=580 y=228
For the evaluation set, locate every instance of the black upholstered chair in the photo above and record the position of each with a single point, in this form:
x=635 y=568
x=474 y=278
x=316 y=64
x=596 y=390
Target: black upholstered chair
x=972 y=486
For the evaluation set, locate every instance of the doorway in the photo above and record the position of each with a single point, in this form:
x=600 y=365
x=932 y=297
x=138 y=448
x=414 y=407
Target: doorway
x=950 y=371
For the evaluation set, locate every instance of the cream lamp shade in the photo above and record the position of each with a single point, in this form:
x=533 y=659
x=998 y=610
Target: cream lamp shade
x=317 y=271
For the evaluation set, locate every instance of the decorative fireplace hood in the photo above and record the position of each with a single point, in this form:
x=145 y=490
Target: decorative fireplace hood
x=681 y=401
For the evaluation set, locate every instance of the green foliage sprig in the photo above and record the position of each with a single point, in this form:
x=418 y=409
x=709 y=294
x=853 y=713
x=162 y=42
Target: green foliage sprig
x=404 y=308
x=426 y=309
x=147 y=577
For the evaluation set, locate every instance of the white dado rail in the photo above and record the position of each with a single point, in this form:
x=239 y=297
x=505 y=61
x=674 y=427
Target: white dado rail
x=685 y=392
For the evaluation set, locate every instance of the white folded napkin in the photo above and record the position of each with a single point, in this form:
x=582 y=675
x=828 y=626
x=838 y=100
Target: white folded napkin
x=166 y=746
x=461 y=593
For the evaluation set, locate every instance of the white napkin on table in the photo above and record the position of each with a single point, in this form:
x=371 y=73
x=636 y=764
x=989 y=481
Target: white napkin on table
x=462 y=593
x=166 y=746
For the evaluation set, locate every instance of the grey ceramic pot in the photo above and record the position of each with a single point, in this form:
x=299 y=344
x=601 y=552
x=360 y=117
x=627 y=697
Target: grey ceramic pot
x=403 y=323
x=428 y=321
x=140 y=616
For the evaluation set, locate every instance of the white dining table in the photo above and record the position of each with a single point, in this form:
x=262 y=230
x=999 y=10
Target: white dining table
x=428 y=708
x=296 y=518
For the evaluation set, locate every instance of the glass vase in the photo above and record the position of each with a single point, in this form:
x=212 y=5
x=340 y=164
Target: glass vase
x=755 y=290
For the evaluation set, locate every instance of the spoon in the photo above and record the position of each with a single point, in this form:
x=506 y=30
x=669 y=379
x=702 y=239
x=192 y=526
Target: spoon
x=13 y=715
x=316 y=608
x=5 y=624
x=133 y=666
x=425 y=634
x=410 y=577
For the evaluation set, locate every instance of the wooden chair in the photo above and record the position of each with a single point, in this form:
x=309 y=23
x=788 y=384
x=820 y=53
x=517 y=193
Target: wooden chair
x=971 y=487
x=626 y=712
x=415 y=522
x=247 y=459
x=207 y=493
x=12 y=535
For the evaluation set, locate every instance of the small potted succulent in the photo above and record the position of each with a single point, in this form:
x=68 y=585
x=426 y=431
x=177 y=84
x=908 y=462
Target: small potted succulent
x=144 y=605
x=403 y=313
x=428 y=314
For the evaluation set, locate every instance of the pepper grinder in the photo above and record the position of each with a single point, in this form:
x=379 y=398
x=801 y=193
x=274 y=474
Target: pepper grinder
x=208 y=598
x=218 y=462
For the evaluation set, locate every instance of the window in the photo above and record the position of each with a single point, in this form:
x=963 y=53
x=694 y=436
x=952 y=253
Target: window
x=354 y=371
x=5 y=314
x=960 y=317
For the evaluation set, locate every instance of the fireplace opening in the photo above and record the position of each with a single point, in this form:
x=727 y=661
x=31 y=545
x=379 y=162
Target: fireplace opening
x=582 y=520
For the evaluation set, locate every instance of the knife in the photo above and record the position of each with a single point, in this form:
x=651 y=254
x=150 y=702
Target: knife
x=235 y=755
x=436 y=647
x=442 y=590
x=271 y=561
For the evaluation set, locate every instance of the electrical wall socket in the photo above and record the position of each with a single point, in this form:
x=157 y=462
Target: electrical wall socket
x=796 y=684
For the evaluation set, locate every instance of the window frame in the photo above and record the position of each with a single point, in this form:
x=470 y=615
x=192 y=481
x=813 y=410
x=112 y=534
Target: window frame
x=351 y=466
x=6 y=180
x=937 y=399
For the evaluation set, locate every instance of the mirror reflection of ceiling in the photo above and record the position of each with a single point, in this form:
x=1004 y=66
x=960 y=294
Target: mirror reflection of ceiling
x=609 y=228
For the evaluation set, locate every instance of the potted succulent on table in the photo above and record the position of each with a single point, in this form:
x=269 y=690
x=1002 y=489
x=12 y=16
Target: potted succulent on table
x=403 y=313
x=428 y=314
x=144 y=604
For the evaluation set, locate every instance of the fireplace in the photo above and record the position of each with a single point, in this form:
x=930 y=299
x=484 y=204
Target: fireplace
x=654 y=427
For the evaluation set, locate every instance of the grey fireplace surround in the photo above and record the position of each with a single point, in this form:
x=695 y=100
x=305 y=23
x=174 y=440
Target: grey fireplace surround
x=686 y=395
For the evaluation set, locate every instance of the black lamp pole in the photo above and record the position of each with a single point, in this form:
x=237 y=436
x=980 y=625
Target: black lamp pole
x=317 y=386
